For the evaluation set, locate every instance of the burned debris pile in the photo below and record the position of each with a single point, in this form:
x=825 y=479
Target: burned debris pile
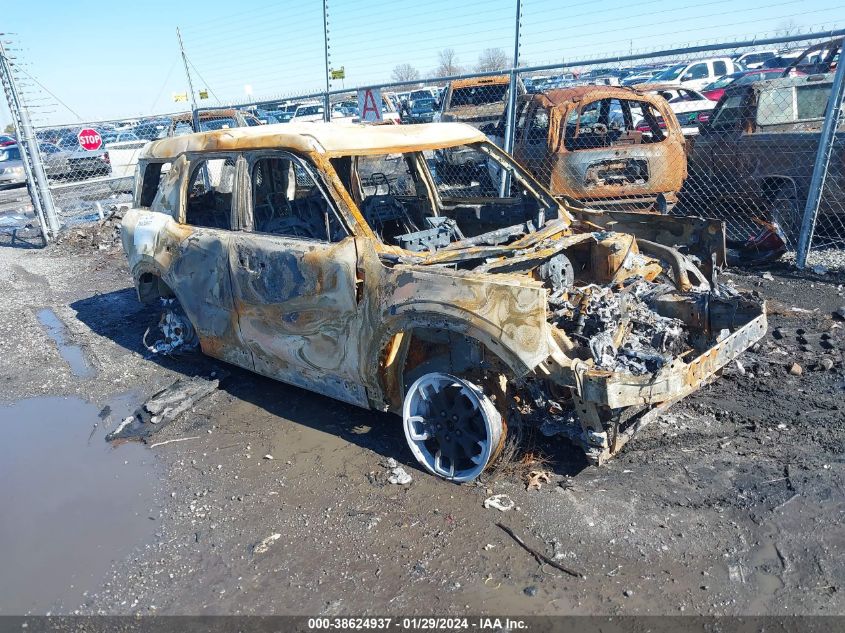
x=621 y=329
x=165 y=406
x=103 y=235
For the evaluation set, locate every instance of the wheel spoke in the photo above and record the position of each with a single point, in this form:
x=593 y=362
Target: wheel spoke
x=450 y=426
x=415 y=422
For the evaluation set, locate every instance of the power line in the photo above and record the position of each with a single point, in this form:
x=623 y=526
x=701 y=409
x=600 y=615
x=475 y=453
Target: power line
x=47 y=90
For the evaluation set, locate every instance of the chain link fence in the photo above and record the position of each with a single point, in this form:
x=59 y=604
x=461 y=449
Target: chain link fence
x=727 y=131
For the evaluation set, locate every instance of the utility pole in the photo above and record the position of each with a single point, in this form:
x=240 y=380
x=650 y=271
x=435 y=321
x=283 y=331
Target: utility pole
x=194 y=114
x=36 y=178
x=505 y=182
x=327 y=105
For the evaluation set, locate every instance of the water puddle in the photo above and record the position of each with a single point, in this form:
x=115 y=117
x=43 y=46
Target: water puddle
x=73 y=354
x=70 y=504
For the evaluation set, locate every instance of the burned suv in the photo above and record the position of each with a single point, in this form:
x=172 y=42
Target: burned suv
x=331 y=258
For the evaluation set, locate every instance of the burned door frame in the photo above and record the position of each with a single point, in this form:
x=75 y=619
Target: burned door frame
x=543 y=165
x=199 y=272
x=297 y=298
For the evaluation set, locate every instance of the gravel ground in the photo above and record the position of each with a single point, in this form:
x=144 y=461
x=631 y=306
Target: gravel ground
x=732 y=503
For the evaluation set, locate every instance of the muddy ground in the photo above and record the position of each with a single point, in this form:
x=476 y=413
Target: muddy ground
x=731 y=504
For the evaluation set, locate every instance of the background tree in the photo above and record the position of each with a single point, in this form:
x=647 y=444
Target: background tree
x=788 y=27
x=493 y=59
x=405 y=72
x=9 y=129
x=447 y=63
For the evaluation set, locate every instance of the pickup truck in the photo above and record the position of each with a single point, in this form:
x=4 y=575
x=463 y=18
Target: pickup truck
x=756 y=154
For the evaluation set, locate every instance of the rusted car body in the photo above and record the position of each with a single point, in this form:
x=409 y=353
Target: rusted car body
x=608 y=145
x=478 y=101
x=462 y=314
x=758 y=150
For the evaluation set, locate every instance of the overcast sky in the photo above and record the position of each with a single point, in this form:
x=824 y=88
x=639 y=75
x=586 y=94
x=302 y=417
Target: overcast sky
x=96 y=59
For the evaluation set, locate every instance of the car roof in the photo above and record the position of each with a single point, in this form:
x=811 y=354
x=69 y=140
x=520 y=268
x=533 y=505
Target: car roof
x=480 y=81
x=648 y=87
x=560 y=96
x=319 y=137
x=205 y=115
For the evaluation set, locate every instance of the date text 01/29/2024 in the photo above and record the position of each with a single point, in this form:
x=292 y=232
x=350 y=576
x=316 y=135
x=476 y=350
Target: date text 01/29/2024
x=417 y=623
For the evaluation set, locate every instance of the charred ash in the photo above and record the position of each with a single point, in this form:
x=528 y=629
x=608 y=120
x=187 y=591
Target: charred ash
x=621 y=329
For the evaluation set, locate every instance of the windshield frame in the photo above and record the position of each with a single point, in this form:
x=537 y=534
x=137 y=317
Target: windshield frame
x=546 y=202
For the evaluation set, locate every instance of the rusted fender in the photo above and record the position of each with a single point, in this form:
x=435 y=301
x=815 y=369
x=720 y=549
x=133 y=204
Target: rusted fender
x=506 y=314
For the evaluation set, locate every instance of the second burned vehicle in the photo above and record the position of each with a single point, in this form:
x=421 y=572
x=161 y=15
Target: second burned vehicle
x=604 y=145
x=332 y=258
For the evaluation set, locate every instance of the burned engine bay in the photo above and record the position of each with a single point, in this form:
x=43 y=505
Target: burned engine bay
x=603 y=291
x=639 y=323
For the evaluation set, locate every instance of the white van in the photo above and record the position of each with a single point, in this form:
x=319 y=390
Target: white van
x=697 y=74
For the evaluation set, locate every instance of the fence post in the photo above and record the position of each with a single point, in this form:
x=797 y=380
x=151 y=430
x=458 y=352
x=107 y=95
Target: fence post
x=36 y=178
x=505 y=182
x=327 y=101
x=823 y=154
x=195 y=117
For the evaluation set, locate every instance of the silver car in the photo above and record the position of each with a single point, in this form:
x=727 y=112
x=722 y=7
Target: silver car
x=12 y=173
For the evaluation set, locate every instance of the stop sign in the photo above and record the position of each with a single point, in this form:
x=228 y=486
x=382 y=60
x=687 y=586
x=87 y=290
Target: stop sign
x=90 y=139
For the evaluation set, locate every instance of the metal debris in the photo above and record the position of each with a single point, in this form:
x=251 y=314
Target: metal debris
x=164 y=407
x=177 y=333
x=399 y=476
x=503 y=503
x=265 y=544
x=536 y=479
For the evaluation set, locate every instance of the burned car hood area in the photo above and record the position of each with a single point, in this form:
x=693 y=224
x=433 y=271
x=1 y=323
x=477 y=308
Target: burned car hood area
x=359 y=263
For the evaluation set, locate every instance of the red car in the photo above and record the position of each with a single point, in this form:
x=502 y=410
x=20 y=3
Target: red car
x=5 y=140
x=715 y=90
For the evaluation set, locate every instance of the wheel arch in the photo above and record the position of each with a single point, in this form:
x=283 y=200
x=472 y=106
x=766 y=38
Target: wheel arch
x=433 y=343
x=149 y=282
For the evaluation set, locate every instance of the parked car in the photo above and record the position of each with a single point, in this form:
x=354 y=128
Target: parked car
x=123 y=147
x=83 y=163
x=151 y=129
x=817 y=59
x=265 y=117
x=422 y=110
x=119 y=137
x=758 y=150
x=283 y=117
x=715 y=90
x=308 y=261
x=55 y=160
x=478 y=101
x=754 y=59
x=601 y=145
x=182 y=124
x=697 y=74
x=12 y=173
x=422 y=93
x=783 y=58
x=6 y=140
x=691 y=107
x=643 y=74
x=309 y=112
